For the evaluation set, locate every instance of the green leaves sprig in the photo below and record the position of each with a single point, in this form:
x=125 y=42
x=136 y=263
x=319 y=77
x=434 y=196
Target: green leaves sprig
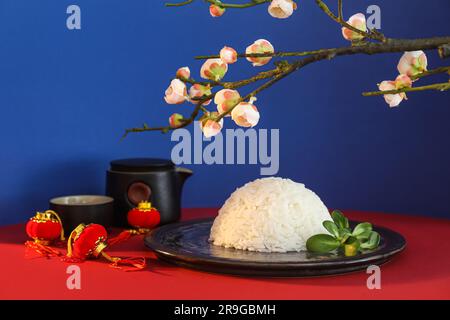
x=342 y=237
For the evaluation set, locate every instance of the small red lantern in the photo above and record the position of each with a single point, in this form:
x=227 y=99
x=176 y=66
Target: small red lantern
x=144 y=216
x=44 y=228
x=86 y=241
x=90 y=240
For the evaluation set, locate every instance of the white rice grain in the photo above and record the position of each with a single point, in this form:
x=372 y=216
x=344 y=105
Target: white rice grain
x=269 y=215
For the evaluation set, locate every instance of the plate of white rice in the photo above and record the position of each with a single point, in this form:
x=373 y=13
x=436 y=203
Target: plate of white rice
x=261 y=230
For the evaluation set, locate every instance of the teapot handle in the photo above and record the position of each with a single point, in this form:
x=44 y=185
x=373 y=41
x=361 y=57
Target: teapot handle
x=183 y=174
x=185 y=171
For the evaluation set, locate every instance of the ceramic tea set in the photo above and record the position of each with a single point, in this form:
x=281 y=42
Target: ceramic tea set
x=128 y=182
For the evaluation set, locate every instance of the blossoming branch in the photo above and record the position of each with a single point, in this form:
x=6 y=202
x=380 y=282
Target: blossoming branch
x=228 y=101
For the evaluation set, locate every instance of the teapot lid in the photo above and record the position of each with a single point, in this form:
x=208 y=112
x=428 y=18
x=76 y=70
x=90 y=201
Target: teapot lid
x=141 y=164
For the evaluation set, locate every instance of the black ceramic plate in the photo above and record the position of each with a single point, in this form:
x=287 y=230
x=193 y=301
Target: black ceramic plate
x=186 y=244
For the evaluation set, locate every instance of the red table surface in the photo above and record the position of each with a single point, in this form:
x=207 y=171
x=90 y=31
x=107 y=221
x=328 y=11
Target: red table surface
x=421 y=271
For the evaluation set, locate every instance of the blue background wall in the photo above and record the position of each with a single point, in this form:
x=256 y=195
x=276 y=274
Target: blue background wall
x=66 y=97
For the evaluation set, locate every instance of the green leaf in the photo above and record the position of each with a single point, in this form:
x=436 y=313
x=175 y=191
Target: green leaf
x=331 y=228
x=339 y=219
x=322 y=243
x=364 y=236
x=362 y=228
x=345 y=234
x=372 y=242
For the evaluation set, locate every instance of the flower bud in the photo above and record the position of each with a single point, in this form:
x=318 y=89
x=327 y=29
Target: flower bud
x=213 y=69
x=226 y=99
x=216 y=11
x=245 y=114
x=412 y=63
x=357 y=21
x=183 y=73
x=282 y=9
x=228 y=55
x=260 y=46
x=175 y=120
x=209 y=126
x=176 y=92
x=198 y=91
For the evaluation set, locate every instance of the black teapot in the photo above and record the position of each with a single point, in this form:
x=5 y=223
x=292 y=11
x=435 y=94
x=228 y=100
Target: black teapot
x=130 y=181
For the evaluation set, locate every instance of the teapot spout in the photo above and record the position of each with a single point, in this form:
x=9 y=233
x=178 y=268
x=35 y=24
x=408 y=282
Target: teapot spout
x=182 y=175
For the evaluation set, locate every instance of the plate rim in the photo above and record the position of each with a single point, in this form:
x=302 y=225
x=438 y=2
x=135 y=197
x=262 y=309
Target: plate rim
x=342 y=262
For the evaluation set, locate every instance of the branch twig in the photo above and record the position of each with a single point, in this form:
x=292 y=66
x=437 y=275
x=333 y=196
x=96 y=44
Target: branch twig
x=340 y=19
x=268 y=54
x=431 y=72
x=340 y=14
x=179 y=4
x=390 y=46
x=249 y=4
x=437 y=86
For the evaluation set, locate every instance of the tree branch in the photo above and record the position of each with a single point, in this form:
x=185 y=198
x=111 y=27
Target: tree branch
x=444 y=51
x=285 y=68
x=239 y=83
x=437 y=86
x=252 y=3
x=431 y=72
x=179 y=4
x=340 y=14
x=267 y=54
x=164 y=129
x=391 y=45
x=340 y=19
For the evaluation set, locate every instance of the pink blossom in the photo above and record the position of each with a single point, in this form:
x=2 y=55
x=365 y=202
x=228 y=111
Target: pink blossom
x=199 y=91
x=282 y=9
x=226 y=99
x=209 y=126
x=260 y=46
x=214 y=69
x=392 y=100
x=228 y=55
x=403 y=81
x=183 y=73
x=216 y=11
x=412 y=63
x=245 y=114
x=176 y=92
x=357 y=21
x=175 y=120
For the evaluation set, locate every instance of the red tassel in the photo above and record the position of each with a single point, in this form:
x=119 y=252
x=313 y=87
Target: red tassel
x=129 y=264
x=126 y=264
x=123 y=236
x=43 y=250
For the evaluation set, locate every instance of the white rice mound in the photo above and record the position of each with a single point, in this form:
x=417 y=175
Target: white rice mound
x=269 y=215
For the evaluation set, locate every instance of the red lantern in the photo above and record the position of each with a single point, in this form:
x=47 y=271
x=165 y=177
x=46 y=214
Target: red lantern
x=144 y=216
x=44 y=228
x=86 y=241
x=90 y=240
